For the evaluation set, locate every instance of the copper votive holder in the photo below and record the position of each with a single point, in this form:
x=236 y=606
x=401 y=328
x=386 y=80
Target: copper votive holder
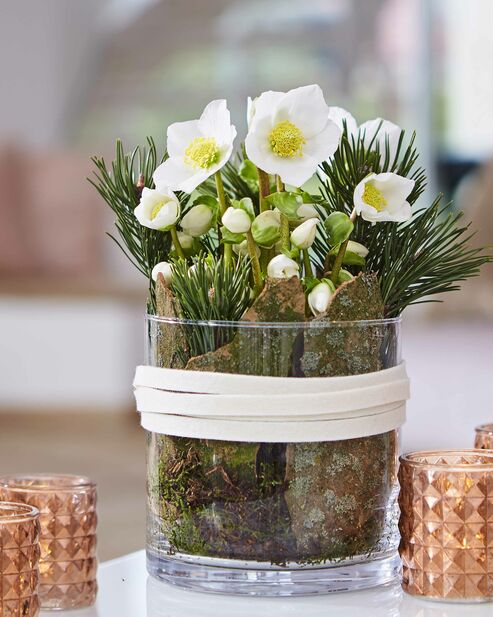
x=68 y=563
x=19 y=557
x=446 y=524
x=484 y=437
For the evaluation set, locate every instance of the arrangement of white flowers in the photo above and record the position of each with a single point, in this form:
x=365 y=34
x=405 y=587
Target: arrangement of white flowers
x=202 y=202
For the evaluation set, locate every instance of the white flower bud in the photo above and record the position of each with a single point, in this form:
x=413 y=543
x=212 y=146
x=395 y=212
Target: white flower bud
x=266 y=228
x=356 y=247
x=319 y=298
x=165 y=269
x=282 y=267
x=185 y=240
x=197 y=221
x=236 y=220
x=307 y=211
x=242 y=249
x=158 y=209
x=304 y=235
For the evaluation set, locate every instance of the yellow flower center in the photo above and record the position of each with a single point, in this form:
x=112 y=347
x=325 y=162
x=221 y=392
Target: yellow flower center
x=202 y=152
x=374 y=197
x=286 y=140
x=156 y=210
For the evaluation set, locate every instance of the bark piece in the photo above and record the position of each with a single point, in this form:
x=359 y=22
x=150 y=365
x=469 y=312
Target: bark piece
x=261 y=351
x=171 y=348
x=346 y=349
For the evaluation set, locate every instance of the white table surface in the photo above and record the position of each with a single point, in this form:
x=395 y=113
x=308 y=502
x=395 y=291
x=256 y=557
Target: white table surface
x=127 y=591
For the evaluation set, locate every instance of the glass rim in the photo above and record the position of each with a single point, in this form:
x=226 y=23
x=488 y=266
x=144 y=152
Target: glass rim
x=485 y=428
x=419 y=459
x=19 y=512
x=272 y=324
x=46 y=482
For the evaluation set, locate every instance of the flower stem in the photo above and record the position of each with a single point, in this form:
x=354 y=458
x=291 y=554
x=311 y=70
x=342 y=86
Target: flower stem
x=307 y=264
x=264 y=189
x=221 y=196
x=336 y=268
x=257 y=272
x=285 y=235
x=176 y=243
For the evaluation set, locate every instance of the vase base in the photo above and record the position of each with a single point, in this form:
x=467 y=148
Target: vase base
x=274 y=582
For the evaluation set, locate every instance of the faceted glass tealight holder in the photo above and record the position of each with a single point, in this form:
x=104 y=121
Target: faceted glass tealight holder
x=19 y=557
x=68 y=520
x=484 y=437
x=446 y=524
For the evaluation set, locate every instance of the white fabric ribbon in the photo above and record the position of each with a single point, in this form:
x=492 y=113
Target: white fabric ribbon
x=270 y=409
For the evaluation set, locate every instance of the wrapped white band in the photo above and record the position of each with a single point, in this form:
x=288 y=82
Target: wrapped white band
x=270 y=409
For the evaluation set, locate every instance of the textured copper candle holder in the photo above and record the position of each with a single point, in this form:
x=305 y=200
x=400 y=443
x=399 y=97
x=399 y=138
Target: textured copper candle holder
x=67 y=506
x=446 y=524
x=19 y=557
x=484 y=437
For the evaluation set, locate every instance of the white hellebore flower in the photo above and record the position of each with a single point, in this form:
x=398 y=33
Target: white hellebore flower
x=307 y=211
x=357 y=248
x=388 y=132
x=304 y=235
x=197 y=149
x=291 y=133
x=165 y=269
x=282 y=267
x=319 y=298
x=158 y=209
x=382 y=197
x=236 y=220
x=338 y=115
x=197 y=221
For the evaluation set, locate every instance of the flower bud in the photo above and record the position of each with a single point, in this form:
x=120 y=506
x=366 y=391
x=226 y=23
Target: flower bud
x=319 y=297
x=357 y=248
x=266 y=228
x=197 y=221
x=236 y=220
x=242 y=249
x=307 y=211
x=304 y=235
x=282 y=267
x=165 y=269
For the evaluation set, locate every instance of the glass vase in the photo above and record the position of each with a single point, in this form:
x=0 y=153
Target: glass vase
x=283 y=518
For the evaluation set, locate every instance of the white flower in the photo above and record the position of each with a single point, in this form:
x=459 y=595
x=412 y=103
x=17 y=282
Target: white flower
x=291 y=133
x=282 y=267
x=197 y=149
x=338 y=115
x=236 y=220
x=197 y=221
x=158 y=209
x=388 y=131
x=242 y=249
x=307 y=211
x=165 y=269
x=357 y=248
x=319 y=298
x=382 y=197
x=304 y=235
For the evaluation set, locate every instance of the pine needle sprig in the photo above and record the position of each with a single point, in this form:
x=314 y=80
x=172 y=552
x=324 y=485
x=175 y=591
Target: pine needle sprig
x=428 y=255
x=211 y=291
x=120 y=185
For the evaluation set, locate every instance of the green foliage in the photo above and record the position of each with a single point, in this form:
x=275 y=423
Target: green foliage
x=287 y=203
x=120 y=185
x=425 y=256
x=339 y=227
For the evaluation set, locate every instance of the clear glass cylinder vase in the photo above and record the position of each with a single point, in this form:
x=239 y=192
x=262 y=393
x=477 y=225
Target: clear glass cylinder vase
x=264 y=518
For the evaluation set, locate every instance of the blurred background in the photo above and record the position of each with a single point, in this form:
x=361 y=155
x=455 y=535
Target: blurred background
x=76 y=74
